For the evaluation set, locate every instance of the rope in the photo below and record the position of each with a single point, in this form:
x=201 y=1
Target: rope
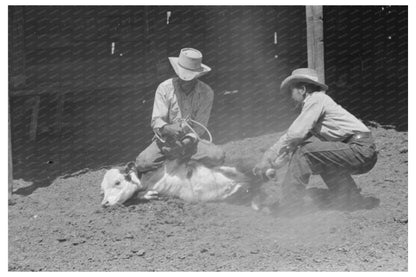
x=186 y=123
x=201 y=125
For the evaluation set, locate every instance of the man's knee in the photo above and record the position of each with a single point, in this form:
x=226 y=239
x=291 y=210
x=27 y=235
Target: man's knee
x=150 y=158
x=298 y=155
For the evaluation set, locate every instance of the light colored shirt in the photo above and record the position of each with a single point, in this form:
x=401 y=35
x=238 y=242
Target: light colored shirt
x=171 y=104
x=323 y=118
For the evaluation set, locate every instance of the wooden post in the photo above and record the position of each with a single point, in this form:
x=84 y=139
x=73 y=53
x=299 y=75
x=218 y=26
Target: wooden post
x=35 y=115
x=315 y=40
x=10 y=160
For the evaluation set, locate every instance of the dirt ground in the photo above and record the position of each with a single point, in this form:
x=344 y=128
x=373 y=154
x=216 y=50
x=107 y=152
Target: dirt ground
x=62 y=227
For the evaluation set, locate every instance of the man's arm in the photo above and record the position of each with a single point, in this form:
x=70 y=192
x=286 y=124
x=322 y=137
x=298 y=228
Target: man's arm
x=301 y=127
x=160 y=112
x=276 y=156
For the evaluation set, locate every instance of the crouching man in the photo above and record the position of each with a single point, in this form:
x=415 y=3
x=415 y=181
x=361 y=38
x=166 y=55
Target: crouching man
x=177 y=100
x=324 y=140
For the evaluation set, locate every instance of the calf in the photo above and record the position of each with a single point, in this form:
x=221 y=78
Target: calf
x=190 y=181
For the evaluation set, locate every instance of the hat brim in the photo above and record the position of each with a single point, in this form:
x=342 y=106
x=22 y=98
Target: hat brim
x=292 y=79
x=186 y=74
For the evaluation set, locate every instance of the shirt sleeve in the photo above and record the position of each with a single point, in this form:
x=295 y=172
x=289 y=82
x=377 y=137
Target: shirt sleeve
x=303 y=124
x=160 y=112
x=204 y=111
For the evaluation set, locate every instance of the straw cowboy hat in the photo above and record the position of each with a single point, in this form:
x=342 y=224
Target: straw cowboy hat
x=189 y=65
x=302 y=75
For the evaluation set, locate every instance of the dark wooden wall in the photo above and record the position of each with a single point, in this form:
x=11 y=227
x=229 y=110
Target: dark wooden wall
x=77 y=104
x=366 y=64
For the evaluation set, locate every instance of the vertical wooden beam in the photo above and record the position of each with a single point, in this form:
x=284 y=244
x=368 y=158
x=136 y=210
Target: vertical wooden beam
x=10 y=159
x=315 y=40
x=34 y=122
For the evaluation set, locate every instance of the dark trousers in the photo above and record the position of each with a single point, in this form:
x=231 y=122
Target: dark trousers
x=335 y=162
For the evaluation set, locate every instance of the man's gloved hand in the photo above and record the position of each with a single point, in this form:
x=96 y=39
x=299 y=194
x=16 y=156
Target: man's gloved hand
x=266 y=162
x=189 y=140
x=181 y=149
x=171 y=130
x=281 y=160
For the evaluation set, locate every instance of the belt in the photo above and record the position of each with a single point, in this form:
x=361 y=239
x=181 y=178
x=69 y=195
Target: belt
x=358 y=136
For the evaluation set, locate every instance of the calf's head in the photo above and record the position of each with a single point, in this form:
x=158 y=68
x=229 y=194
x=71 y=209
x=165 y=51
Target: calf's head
x=118 y=186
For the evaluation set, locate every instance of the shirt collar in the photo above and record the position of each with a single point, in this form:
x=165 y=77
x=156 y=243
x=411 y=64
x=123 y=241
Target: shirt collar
x=309 y=95
x=193 y=91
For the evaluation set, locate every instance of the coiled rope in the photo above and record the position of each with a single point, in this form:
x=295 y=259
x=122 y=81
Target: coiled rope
x=185 y=122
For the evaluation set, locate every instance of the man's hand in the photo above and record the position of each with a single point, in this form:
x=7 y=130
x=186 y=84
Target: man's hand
x=266 y=162
x=171 y=130
x=281 y=160
x=261 y=168
x=180 y=148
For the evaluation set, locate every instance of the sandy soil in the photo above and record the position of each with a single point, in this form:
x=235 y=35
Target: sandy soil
x=63 y=228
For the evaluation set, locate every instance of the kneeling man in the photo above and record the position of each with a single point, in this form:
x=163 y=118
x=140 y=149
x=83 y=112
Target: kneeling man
x=324 y=140
x=182 y=104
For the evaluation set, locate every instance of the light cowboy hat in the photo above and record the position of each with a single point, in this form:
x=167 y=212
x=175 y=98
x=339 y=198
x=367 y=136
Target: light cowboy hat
x=189 y=64
x=302 y=75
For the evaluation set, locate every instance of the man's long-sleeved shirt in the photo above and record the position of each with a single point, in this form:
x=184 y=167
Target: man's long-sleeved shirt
x=172 y=104
x=323 y=118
